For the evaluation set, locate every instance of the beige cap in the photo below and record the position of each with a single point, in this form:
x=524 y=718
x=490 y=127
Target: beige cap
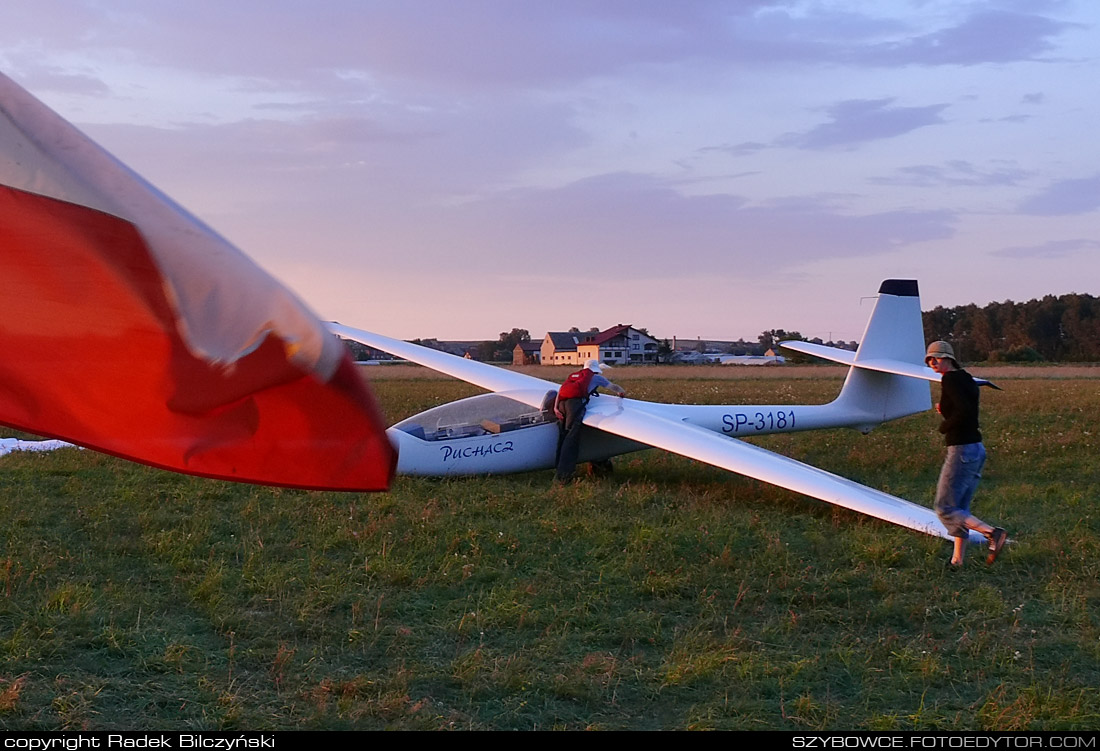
x=940 y=349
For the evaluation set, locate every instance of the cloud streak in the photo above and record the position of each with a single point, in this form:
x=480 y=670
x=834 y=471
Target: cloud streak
x=1065 y=197
x=1053 y=250
x=858 y=121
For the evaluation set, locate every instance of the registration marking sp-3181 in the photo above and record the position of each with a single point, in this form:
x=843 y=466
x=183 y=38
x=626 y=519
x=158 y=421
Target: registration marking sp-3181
x=743 y=422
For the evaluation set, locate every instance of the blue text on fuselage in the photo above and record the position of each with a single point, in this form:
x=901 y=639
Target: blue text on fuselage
x=482 y=449
x=756 y=422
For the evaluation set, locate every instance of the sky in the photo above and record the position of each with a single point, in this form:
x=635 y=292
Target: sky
x=706 y=168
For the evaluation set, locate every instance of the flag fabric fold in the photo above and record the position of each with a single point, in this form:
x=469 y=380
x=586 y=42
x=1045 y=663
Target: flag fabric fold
x=129 y=327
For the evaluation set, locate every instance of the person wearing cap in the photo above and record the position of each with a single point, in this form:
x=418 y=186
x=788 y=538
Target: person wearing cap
x=962 y=468
x=570 y=407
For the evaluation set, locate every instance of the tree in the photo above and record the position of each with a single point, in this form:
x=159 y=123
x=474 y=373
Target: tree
x=1063 y=328
x=664 y=351
x=502 y=348
x=772 y=337
x=486 y=351
x=509 y=339
x=358 y=350
x=939 y=323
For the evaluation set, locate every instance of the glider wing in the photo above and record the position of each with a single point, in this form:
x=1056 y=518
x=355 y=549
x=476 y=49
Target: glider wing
x=527 y=389
x=624 y=418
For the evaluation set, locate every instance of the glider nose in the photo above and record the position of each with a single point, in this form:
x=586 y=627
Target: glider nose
x=404 y=445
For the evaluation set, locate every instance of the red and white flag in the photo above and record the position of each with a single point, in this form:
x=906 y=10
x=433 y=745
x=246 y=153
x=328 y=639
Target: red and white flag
x=129 y=327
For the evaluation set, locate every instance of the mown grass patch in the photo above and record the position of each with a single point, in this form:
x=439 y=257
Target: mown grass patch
x=672 y=595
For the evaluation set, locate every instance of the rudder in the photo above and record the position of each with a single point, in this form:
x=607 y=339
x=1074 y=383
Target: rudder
x=894 y=331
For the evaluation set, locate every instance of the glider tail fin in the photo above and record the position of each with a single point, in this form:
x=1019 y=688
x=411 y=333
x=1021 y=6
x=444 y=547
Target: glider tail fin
x=893 y=341
x=886 y=376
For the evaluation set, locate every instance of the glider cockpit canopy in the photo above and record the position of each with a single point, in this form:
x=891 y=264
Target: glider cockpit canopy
x=475 y=416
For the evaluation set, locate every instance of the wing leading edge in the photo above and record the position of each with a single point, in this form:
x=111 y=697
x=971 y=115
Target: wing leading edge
x=524 y=388
x=618 y=417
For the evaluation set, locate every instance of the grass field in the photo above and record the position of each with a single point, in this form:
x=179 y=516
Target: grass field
x=673 y=595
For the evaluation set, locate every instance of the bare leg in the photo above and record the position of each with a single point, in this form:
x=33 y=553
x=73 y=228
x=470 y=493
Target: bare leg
x=959 y=553
x=972 y=522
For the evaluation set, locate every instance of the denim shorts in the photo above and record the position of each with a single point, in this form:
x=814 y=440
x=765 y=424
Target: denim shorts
x=962 y=470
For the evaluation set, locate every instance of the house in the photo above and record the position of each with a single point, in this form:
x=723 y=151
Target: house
x=527 y=353
x=618 y=345
x=560 y=348
x=641 y=348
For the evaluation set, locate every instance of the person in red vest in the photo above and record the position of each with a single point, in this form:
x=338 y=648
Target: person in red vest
x=570 y=407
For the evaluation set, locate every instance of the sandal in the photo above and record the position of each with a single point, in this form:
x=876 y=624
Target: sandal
x=997 y=539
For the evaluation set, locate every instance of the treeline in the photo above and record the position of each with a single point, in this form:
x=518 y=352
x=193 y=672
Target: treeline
x=1054 y=329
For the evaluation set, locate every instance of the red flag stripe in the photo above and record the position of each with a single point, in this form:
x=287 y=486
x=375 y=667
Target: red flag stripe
x=128 y=326
x=92 y=356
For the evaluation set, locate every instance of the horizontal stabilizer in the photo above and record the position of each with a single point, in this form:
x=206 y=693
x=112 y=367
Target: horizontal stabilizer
x=847 y=357
x=882 y=365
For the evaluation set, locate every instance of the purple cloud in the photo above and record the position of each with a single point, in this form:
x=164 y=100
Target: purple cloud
x=662 y=231
x=52 y=78
x=956 y=172
x=487 y=44
x=858 y=121
x=1052 y=249
x=992 y=36
x=1063 y=198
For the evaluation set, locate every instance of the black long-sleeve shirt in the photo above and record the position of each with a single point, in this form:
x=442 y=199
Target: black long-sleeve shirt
x=959 y=399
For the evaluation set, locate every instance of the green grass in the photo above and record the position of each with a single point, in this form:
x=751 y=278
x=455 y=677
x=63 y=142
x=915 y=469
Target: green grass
x=673 y=595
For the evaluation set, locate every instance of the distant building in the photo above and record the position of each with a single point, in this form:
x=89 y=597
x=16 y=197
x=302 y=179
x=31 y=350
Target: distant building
x=768 y=358
x=618 y=345
x=688 y=357
x=560 y=348
x=361 y=353
x=527 y=353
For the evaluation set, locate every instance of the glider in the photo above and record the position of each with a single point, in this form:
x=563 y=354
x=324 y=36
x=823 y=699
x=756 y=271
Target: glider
x=8 y=445
x=513 y=429
x=130 y=327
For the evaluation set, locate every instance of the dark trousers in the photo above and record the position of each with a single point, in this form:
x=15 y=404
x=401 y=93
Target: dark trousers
x=569 y=445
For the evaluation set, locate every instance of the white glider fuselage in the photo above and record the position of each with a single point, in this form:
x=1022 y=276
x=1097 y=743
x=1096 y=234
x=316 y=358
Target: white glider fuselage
x=500 y=433
x=491 y=434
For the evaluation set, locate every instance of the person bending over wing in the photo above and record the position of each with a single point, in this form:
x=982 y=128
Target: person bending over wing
x=570 y=407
